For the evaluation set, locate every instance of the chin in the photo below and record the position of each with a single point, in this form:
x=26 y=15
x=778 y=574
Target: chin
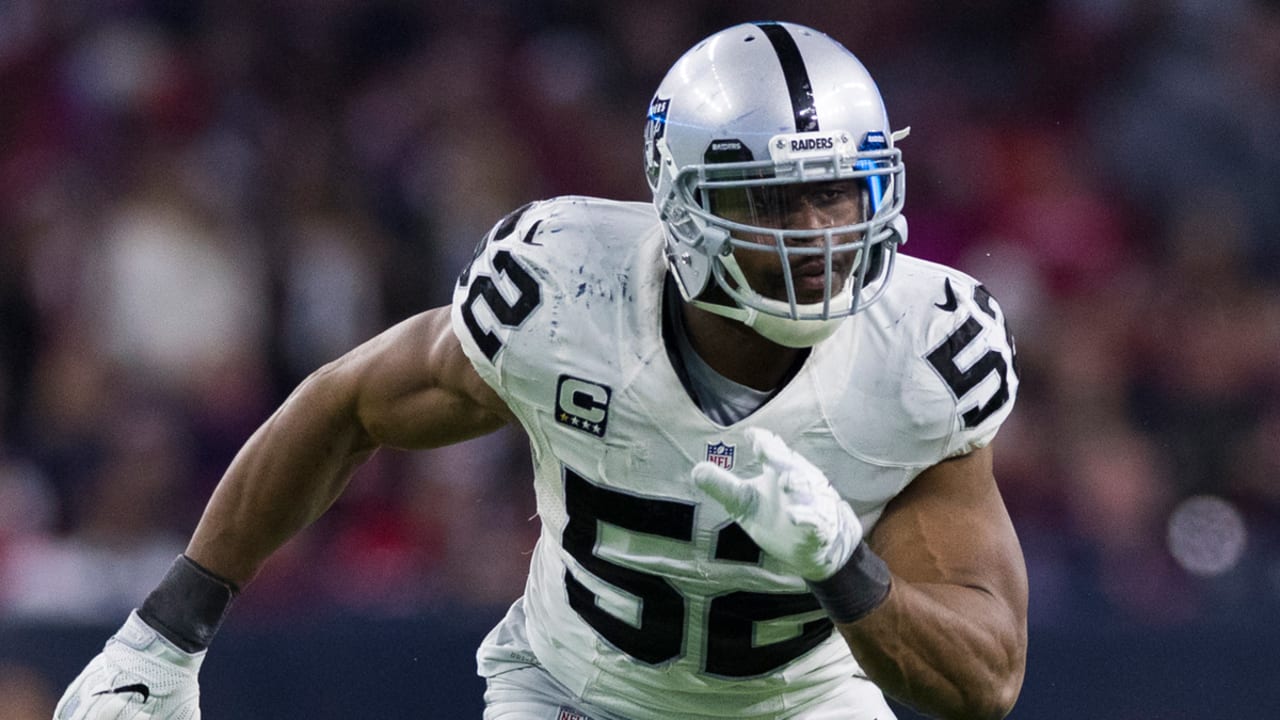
x=811 y=296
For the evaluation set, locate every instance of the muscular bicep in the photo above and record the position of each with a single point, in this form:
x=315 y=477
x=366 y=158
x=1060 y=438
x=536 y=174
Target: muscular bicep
x=950 y=526
x=416 y=388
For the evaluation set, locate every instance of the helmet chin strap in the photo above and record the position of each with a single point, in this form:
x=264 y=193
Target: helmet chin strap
x=781 y=330
x=776 y=325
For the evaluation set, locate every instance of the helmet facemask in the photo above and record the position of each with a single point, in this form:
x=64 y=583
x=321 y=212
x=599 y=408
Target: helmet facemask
x=828 y=265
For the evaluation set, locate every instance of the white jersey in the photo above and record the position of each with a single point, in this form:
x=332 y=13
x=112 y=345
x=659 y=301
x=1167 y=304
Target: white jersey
x=643 y=597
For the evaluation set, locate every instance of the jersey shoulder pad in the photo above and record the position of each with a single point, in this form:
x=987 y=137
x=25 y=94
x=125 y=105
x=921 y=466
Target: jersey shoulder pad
x=510 y=299
x=963 y=358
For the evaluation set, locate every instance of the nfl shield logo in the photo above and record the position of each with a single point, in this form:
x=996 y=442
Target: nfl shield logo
x=721 y=455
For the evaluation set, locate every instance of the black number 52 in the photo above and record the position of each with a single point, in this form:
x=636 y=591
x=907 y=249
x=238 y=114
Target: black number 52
x=510 y=314
x=961 y=380
x=659 y=636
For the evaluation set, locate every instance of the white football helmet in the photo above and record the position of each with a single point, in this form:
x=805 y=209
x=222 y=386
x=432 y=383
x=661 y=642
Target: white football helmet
x=736 y=128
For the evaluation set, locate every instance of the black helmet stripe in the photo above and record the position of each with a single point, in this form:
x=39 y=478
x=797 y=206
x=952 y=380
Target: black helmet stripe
x=796 y=75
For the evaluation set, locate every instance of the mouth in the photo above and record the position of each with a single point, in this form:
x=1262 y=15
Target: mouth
x=809 y=277
x=810 y=280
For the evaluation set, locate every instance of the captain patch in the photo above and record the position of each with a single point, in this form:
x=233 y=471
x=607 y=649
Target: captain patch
x=582 y=404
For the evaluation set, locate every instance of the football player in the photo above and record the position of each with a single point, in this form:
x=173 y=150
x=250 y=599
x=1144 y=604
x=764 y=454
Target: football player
x=761 y=437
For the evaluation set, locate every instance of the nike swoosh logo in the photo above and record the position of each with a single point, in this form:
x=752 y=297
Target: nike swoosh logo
x=139 y=688
x=950 y=304
x=528 y=237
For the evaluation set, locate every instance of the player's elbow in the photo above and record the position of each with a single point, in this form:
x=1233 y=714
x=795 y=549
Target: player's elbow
x=987 y=691
x=1002 y=700
x=1004 y=671
x=998 y=696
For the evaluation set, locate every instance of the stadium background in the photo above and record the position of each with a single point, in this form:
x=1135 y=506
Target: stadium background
x=202 y=201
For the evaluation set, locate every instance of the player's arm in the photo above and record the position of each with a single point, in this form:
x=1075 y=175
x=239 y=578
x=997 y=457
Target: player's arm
x=950 y=639
x=410 y=387
x=934 y=606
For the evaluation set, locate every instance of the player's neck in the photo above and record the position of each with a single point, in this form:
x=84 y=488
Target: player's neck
x=736 y=351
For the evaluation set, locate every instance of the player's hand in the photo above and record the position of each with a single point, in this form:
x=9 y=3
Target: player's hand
x=139 y=674
x=790 y=510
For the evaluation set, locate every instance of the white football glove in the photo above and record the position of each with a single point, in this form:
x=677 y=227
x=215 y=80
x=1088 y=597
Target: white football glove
x=139 y=674
x=790 y=510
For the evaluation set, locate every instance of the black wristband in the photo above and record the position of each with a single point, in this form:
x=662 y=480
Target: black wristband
x=188 y=605
x=855 y=589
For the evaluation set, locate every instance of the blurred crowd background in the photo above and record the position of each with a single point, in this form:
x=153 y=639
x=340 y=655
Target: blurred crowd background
x=201 y=202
